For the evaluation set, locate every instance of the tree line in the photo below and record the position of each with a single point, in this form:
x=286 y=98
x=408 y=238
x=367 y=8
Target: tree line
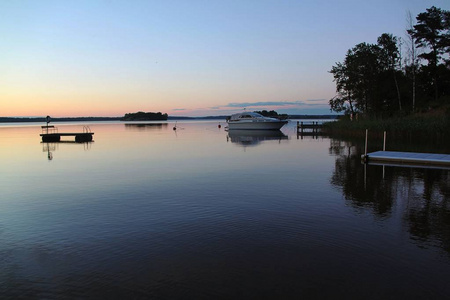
x=272 y=114
x=397 y=76
x=145 y=116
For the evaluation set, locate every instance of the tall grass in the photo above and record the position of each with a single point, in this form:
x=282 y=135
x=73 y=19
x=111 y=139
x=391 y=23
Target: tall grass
x=424 y=128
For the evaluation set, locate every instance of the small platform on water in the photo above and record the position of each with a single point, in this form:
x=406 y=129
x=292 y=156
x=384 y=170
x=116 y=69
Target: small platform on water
x=56 y=137
x=431 y=159
x=50 y=134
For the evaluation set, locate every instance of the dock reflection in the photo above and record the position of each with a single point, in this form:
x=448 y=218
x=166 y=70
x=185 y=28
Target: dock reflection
x=254 y=137
x=420 y=194
x=52 y=147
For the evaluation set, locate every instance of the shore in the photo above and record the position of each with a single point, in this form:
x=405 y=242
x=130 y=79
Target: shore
x=419 y=127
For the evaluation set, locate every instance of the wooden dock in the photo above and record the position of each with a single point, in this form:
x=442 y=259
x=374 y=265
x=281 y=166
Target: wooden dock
x=308 y=125
x=430 y=159
x=56 y=137
x=50 y=134
x=312 y=126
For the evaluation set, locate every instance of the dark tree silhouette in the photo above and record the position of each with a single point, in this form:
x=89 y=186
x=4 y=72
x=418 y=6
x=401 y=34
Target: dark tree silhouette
x=433 y=32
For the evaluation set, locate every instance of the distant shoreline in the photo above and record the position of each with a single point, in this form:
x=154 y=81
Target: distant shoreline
x=43 y=120
x=174 y=118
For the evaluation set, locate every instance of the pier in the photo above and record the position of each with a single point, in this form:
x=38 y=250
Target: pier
x=309 y=128
x=314 y=126
x=313 y=129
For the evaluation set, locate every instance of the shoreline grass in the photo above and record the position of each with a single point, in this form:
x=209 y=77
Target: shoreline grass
x=424 y=128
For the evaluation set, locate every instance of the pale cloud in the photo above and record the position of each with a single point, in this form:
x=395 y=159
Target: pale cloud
x=257 y=104
x=280 y=104
x=317 y=100
x=309 y=106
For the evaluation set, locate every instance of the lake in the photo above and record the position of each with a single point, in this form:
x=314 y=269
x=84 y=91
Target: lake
x=145 y=211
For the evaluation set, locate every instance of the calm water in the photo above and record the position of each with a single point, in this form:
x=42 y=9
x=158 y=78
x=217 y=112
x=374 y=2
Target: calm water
x=198 y=213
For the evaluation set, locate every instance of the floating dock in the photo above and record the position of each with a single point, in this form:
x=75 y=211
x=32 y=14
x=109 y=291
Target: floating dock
x=56 y=137
x=51 y=134
x=414 y=158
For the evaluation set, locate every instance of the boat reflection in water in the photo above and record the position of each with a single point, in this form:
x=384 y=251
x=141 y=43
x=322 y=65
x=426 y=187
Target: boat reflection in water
x=254 y=137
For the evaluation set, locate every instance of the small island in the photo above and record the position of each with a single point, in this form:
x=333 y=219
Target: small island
x=145 y=116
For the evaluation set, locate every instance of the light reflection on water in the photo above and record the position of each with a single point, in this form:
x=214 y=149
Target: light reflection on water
x=198 y=212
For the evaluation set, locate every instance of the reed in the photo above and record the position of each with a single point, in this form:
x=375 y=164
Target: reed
x=417 y=127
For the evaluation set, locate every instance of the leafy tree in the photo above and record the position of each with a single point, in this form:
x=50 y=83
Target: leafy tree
x=390 y=58
x=364 y=68
x=432 y=33
x=356 y=80
x=343 y=101
x=371 y=80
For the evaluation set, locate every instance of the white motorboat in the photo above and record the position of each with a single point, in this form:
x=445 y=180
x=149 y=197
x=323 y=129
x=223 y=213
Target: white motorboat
x=254 y=121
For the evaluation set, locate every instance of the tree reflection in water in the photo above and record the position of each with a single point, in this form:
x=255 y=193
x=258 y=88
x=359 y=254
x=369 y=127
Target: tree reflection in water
x=428 y=213
x=422 y=193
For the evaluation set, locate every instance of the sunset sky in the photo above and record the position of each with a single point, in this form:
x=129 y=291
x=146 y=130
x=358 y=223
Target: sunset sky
x=185 y=58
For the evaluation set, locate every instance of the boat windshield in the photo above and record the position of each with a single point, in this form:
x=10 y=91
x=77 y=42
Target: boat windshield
x=246 y=116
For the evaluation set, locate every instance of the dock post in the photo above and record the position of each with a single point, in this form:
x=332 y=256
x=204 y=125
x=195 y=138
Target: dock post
x=365 y=150
x=47 y=119
x=384 y=141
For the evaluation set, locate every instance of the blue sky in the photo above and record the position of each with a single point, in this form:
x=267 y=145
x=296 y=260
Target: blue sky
x=196 y=58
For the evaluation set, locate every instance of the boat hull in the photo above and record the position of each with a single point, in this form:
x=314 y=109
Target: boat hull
x=256 y=125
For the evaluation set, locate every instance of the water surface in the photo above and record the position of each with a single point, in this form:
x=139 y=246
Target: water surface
x=146 y=211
